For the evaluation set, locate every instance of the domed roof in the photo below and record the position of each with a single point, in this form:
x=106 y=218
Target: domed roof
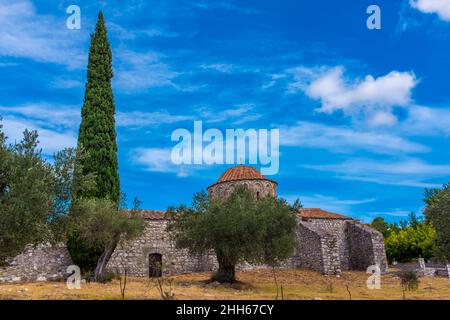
x=240 y=172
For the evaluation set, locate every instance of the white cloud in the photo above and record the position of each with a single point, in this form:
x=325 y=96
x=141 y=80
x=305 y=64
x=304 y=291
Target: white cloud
x=27 y=34
x=128 y=34
x=159 y=160
x=67 y=83
x=393 y=213
x=142 y=70
x=155 y=159
x=41 y=114
x=439 y=7
x=329 y=203
x=342 y=139
x=139 y=119
x=69 y=117
x=371 y=99
x=408 y=172
x=273 y=80
x=229 y=68
x=236 y=115
x=426 y=121
x=381 y=118
x=51 y=141
x=220 y=67
x=55 y=124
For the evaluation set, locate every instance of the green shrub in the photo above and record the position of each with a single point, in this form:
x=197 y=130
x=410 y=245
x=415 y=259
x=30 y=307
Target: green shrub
x=410 y=281
x=408 y=243
x=83 y=254
x=108 y=277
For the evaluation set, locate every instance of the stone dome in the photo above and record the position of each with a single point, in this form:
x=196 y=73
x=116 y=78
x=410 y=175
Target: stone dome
x=240 y=172
x=243 y=175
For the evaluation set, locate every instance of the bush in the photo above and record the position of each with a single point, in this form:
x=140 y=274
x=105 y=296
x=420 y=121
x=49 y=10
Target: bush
x=409 y=239
x=83 y=254
x=410 y=281
x=410 y=243
x=108 y=277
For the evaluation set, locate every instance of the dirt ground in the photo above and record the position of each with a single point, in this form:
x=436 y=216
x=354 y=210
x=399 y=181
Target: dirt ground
x=255 y=284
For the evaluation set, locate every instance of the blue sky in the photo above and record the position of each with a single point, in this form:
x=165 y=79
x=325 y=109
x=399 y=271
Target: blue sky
x=363 y=114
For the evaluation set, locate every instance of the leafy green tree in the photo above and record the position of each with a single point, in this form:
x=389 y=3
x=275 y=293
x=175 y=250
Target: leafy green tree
x=437 y=211
x=416 y=239
x=381 y=225
x=26 y=195
x=97 y=134
x=69 y=181
x=100 y=222
x=5 y=162
x=238 y=228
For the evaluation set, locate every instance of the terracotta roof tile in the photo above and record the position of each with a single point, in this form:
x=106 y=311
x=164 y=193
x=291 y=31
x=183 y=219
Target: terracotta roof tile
x=240 y=172
x=317 y=213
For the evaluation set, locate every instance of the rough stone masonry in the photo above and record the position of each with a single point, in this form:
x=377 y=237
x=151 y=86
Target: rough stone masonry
x=327 y=242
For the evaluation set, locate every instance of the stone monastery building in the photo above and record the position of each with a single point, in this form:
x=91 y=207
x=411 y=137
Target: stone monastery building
x=327 y=242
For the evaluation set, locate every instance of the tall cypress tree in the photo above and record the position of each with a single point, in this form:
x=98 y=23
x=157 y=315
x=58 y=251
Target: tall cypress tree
x=97 y=134
x=97 y=141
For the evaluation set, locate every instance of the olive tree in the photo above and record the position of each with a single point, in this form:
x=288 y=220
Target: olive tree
x=100 y=223
x=238 y=228
x=26 y=195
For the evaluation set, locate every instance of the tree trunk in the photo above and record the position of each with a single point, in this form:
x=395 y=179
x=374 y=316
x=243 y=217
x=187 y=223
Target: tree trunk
x=100 y=269
x=226 y=272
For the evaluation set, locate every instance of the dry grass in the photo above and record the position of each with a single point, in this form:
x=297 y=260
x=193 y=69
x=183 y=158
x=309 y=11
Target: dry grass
x=256 y=284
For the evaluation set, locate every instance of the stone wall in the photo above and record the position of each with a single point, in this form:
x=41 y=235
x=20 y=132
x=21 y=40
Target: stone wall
x=259 y=187
x=134 y=256
x=331 y=246
x=366 y=247
x=334 y=246
x=40 y=263
x=423 y=268
x=309 y=247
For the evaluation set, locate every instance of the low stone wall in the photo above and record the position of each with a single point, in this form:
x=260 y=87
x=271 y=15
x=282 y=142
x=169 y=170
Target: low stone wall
x=40 y=263
x=424 y=269
x=134 y=256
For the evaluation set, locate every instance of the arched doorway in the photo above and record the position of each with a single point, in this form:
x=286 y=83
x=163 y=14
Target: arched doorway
x=155 y=265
